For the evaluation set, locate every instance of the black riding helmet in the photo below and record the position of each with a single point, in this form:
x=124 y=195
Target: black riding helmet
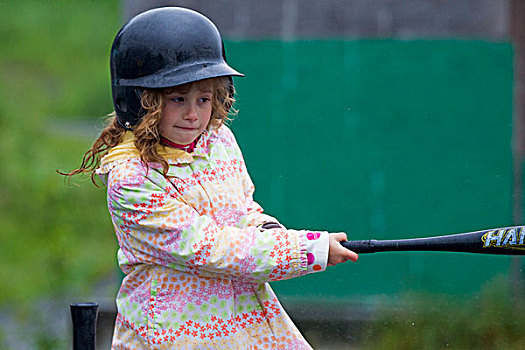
x=160 y=48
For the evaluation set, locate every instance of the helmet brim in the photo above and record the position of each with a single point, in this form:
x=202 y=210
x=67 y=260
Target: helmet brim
x=181 y=75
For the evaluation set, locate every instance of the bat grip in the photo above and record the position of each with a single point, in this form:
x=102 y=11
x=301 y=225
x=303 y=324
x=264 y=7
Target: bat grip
x=84 y=317
x=360 y=247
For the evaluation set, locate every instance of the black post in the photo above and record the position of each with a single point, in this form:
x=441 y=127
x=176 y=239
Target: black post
x=84 y=316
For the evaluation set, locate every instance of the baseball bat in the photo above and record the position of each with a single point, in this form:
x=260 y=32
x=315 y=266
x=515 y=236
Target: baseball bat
x=84 y=317
x=500 y=241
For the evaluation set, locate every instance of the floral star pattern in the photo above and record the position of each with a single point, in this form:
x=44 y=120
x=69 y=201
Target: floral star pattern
x=197 y=263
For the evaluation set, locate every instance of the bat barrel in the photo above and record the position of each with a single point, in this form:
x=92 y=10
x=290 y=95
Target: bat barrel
x=84 y=317
x=453 y=243
x=508 y=241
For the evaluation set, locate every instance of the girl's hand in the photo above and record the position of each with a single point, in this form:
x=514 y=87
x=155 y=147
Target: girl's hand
x=336 y=252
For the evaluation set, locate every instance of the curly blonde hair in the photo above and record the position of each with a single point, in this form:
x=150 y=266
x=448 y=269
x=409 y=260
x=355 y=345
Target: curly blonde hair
x=147 y=133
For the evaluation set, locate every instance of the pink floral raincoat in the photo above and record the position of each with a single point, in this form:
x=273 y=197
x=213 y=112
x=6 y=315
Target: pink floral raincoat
x=196 y=259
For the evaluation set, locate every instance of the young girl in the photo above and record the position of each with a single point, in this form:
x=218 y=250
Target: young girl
x=196 y=249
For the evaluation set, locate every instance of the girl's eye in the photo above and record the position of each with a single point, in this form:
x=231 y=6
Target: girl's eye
x=177 y=99
x=204 y=99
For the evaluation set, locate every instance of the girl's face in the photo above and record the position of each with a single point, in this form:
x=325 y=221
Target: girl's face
x=186 y=112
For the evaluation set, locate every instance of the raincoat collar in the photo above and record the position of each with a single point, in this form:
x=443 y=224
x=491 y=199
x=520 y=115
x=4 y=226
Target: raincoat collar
x=126 y=150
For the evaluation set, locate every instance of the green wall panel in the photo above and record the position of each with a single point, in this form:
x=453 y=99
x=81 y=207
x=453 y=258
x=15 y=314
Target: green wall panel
x=381 y=139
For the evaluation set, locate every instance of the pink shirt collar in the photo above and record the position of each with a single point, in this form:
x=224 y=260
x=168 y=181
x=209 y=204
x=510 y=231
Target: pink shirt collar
x=188 y=148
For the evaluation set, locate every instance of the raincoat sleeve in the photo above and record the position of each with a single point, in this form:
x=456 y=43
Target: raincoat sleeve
x=317 y=245
x=155 y=225
x=256 y=217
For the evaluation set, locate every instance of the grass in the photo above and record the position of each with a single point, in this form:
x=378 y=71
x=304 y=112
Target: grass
x=491 y=319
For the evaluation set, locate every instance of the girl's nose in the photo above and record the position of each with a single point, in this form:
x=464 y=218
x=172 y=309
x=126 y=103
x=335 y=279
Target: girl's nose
x=191 y=113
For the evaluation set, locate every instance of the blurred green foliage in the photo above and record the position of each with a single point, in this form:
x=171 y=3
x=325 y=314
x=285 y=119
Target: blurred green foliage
x=53 y=67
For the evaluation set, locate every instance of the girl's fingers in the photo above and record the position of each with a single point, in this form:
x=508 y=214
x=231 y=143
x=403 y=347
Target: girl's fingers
x=352 y=256
x=337 y=253
x=339 y=236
